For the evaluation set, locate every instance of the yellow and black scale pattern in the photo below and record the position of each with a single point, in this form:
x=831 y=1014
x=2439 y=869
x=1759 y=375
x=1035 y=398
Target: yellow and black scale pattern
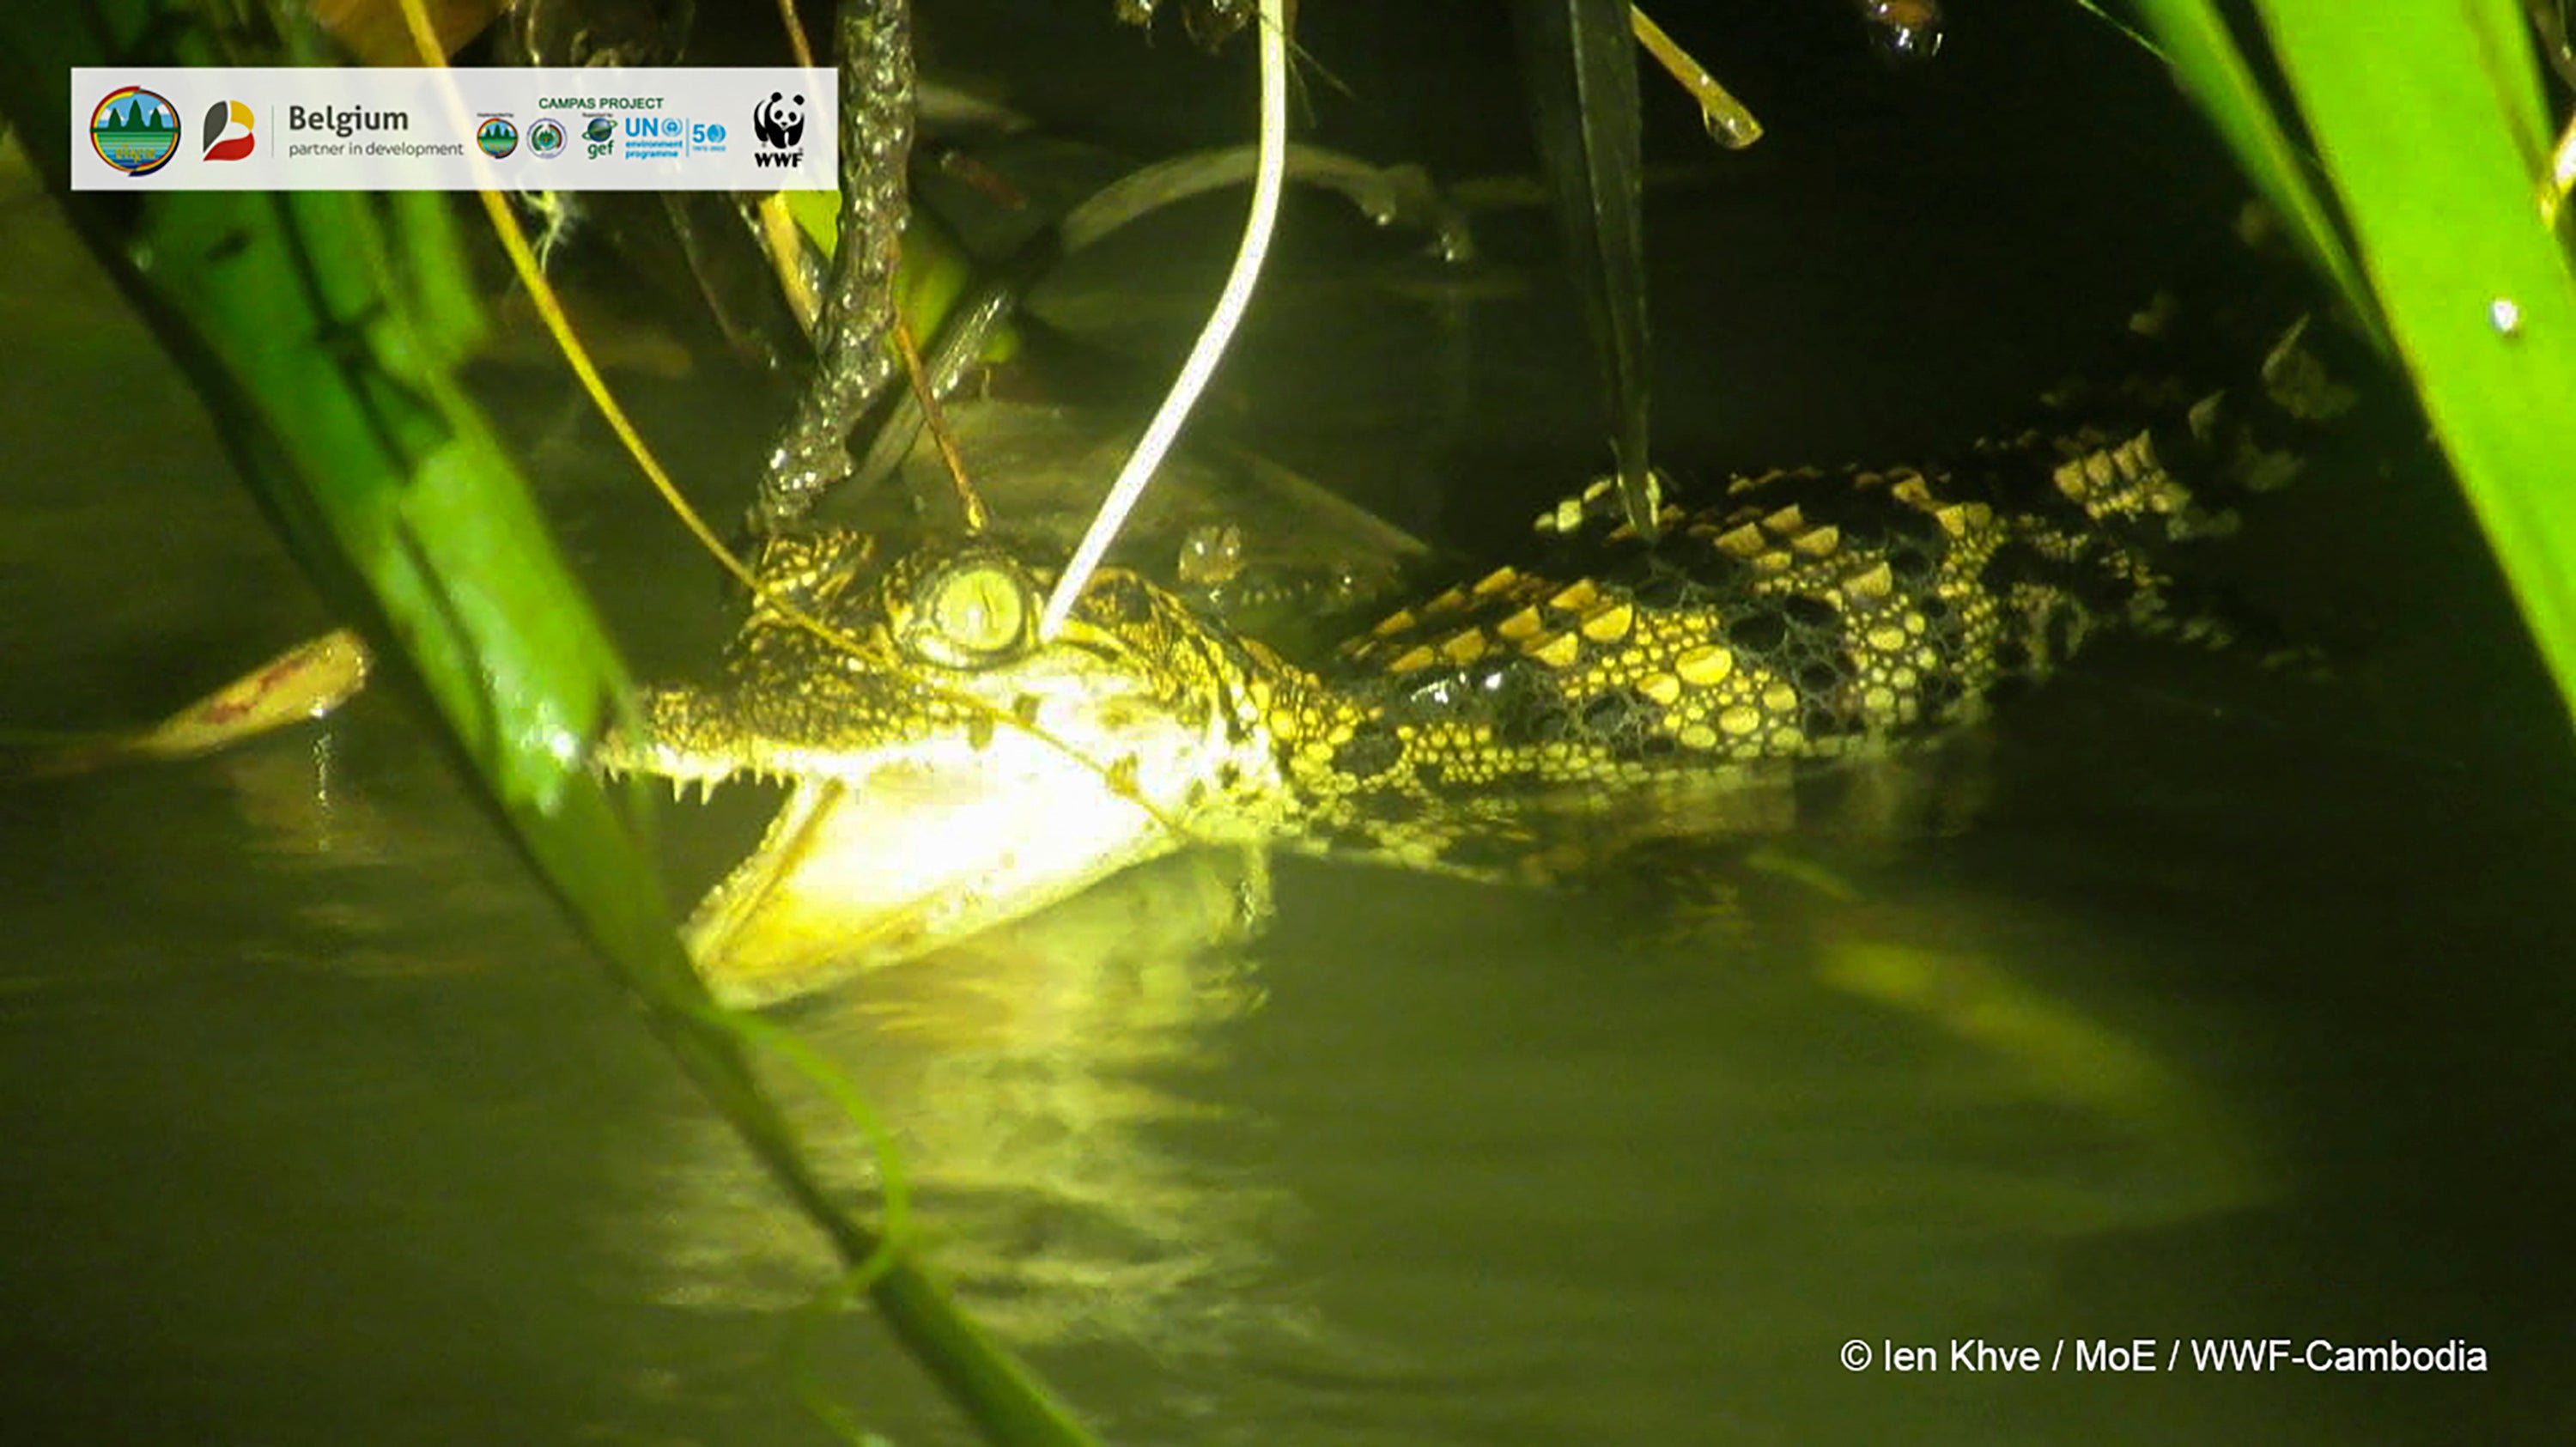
x=1803 y=616
x=1538 y=718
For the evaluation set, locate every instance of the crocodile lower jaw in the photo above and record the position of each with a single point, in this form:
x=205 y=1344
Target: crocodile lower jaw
x=879 y=857
x=851 y=876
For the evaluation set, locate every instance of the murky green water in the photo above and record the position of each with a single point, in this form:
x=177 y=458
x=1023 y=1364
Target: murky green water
x=2238 y=1015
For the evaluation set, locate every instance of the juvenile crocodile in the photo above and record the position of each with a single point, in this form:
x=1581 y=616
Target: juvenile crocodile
x=1531 y=722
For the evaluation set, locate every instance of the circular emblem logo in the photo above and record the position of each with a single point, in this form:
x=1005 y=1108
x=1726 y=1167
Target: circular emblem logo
x=599 y=129
x=135 y=130
x=498 y=137
x=546 y=137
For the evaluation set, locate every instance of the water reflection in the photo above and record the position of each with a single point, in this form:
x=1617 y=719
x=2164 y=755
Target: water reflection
x=322 y=1130
x=1426 y=1162
x=1046 y=1081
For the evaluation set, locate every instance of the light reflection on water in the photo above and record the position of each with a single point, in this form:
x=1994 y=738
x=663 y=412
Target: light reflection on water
x=1035 y=1079
x=1398 y=1151
x=297 y=1055
x=319 y=1129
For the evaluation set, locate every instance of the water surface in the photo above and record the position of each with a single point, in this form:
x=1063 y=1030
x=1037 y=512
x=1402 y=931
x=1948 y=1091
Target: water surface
x=2235 y=1015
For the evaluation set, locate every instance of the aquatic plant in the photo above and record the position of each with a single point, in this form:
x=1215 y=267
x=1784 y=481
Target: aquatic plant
x=2444 y=228
x=322 y=330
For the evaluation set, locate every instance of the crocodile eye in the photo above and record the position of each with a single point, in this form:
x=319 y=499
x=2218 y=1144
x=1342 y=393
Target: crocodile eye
x=972 y=614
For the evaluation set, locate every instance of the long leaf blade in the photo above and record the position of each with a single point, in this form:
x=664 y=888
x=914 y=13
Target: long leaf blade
x=2430 y=121
x=1579 y=67
x=2211 y=67
x=320 y=329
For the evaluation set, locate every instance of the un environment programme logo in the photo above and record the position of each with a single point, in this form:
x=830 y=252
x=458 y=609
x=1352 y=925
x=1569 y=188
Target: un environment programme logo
x=229 y=136
x=655 y=138
x=135 y=130
x=600 y=133
x=497 y=137
x=546 y=137
x=779 y=125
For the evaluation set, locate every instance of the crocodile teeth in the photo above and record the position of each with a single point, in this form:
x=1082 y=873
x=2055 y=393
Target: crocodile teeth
x=693 y=782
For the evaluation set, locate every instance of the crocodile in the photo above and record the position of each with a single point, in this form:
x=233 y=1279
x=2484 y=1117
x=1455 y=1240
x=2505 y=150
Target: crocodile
x=951 y=769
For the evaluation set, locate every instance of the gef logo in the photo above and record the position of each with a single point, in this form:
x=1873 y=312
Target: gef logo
x=779 y=125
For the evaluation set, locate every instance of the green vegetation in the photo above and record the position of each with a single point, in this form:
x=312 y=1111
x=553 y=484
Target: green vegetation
x=321 y=330
x=2429 y=123
x=1579 y=70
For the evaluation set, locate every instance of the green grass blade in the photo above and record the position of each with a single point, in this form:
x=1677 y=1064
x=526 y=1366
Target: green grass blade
x=320 y=329
x=2431 y=122
x=2211 y=67
x=1579 y=69
x=2107 y=18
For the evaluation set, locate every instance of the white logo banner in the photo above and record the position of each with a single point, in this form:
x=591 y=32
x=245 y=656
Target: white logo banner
x=590 y=129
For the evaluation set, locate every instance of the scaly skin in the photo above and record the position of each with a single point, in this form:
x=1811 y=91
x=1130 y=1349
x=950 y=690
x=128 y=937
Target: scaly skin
x=1534 y=722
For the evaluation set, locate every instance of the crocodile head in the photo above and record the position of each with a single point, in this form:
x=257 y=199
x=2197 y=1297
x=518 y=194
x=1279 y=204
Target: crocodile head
x=946 y=770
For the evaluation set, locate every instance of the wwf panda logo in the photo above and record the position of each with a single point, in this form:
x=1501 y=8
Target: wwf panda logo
x=779 y=121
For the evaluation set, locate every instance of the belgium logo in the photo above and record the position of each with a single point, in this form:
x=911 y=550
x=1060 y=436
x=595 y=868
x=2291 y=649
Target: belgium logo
x=135 y=130
x=228 y=131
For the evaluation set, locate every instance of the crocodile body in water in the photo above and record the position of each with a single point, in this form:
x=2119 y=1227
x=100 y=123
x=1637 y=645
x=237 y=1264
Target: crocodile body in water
x=950 y=770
